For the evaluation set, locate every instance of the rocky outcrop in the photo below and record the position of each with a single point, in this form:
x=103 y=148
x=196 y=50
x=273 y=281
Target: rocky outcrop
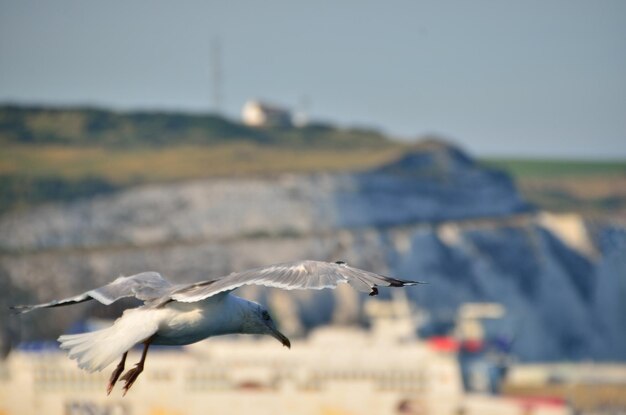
x=437 y=184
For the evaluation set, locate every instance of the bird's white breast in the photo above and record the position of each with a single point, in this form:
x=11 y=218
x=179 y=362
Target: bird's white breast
x=186 y=323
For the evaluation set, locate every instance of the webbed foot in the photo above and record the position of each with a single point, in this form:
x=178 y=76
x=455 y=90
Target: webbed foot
x=131 y=376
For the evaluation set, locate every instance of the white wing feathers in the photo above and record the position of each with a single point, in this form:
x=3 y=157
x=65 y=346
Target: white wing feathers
x=301 y=275
x=144 y=286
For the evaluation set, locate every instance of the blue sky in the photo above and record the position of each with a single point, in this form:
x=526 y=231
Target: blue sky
x=517 y=78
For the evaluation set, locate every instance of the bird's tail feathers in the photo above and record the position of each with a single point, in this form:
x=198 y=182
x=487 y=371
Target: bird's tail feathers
x=90 y=350
x=96 y=350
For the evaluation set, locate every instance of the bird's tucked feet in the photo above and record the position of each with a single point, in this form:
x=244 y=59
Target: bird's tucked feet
x=131 y=376
x=116 y=374
x=133 y=373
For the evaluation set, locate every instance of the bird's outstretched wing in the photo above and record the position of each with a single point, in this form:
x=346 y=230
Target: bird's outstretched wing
x=144 y=286
x=301 y=275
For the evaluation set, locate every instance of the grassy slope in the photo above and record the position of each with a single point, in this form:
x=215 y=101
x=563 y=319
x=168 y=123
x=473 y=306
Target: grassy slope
x=122 y=167
x=593 y=188
x=551 y=169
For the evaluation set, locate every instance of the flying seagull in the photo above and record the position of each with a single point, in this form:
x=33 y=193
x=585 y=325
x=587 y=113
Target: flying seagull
x=180 y=314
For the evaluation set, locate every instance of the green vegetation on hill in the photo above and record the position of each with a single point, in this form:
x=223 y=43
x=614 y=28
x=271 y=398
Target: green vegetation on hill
x=589 y=187
x=97 y=127
x=547 y=168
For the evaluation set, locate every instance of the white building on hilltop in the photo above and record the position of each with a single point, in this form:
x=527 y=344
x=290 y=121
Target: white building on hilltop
x=260 y=114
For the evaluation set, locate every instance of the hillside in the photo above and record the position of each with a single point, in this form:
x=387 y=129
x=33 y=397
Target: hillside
x=61 y=154
x=432 y=214
x=64 y=154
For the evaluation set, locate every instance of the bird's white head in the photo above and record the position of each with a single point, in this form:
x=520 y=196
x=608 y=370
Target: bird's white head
x=257 y=320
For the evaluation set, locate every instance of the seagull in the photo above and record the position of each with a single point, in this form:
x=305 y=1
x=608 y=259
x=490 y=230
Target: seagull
x=181 y=314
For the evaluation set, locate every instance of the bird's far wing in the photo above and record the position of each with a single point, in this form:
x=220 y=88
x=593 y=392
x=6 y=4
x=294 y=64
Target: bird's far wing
x=302 y=275
x=145 y=286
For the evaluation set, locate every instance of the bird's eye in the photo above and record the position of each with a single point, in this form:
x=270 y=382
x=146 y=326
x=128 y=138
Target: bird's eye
x=266 y=315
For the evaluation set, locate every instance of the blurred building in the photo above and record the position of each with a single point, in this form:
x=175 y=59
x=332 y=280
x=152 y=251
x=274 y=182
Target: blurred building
x=595 y=388
x=336 y=370
x=261 y=114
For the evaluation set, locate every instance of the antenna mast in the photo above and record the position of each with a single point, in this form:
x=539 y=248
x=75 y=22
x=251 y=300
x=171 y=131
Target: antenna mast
x=216 y=75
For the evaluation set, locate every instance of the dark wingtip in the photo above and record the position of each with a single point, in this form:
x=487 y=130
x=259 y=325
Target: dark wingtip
x=340 y=262
x=20 y=309
x=374 y=291
x=415 y=282
x=401 y=283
